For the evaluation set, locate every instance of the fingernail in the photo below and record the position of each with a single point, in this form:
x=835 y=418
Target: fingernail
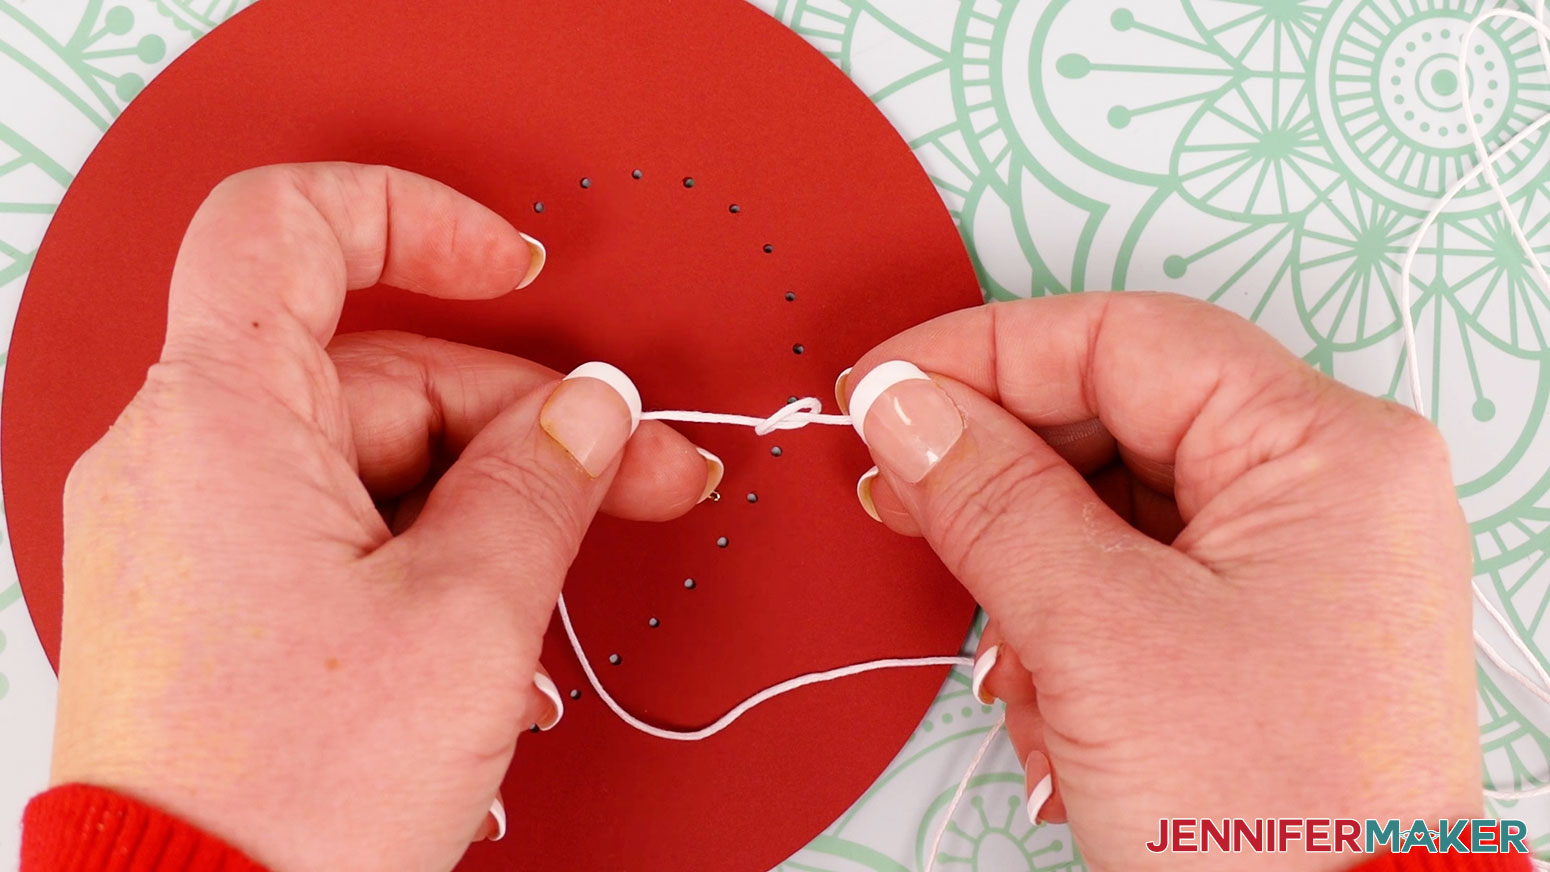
x=498 y=811
x=982 y=666
x=592 y=414
x=907 y=421
x=545 y=686
x=839 y=389
x=535 y=262
x=714 y=470
x=864 y=493
x=1037 y=797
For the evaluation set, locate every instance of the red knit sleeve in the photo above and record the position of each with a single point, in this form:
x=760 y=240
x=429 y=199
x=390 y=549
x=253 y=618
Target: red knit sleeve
x=80 y=828
x=1420 y=861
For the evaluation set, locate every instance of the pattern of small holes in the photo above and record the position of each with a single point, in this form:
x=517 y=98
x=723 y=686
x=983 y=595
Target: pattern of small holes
x=775 y=451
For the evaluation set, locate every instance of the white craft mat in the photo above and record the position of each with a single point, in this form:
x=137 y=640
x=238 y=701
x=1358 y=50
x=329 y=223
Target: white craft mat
x=1273 y=157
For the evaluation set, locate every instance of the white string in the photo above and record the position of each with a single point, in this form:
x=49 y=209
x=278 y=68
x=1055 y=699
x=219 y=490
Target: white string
x=963 y=787
x=748 y=704
x=1517 y=642
x=1487 y=166
x=792 y=416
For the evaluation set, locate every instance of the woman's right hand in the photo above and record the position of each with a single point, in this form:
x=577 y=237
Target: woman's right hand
x=1220 y=584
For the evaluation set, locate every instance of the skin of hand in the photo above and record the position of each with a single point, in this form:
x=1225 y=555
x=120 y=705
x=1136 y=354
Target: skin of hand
x=1219 y=583
x=280 y=623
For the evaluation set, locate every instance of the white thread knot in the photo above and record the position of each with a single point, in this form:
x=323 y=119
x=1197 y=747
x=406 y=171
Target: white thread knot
x=791 y=416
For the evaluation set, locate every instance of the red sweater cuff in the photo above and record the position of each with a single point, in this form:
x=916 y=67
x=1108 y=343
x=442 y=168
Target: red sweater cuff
x=80 y=828
x=1422 y=861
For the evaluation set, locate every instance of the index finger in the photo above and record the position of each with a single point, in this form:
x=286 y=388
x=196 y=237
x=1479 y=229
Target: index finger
x=266 y=262
x=1176 y=381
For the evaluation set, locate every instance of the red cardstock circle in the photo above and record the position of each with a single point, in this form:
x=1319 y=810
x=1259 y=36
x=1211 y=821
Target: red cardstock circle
x=516 y=105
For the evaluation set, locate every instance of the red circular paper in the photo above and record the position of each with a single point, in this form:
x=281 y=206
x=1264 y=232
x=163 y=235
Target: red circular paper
x=514 y=104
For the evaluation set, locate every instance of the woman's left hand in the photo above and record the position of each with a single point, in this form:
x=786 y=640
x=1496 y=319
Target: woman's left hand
x=279 y=624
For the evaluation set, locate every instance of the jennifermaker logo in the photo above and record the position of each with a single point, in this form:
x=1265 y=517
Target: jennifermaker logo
x=1275 y=835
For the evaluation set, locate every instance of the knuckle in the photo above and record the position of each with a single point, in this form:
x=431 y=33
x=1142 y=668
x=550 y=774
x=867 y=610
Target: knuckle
x=179 y=392
x=1400 y=442
x=553 y=511
x=455 y=240
x=1422 y=442
x=257 y=186
x=978 y=516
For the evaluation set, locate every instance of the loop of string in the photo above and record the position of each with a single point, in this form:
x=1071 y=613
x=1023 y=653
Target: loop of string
x=808 y=410
x=792 y=416
x=746 y=705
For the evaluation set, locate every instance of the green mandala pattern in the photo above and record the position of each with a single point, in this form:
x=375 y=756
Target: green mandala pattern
x=198 y=16
x=1272 y=156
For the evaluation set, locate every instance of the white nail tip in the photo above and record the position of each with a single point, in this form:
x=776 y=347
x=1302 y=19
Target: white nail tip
x=1037 y=797
x=498 y=811
x=864 y=494
x=839 y=385
x=615 y=378
x=535 y=264
x=982 y=666
x=546 y=686
x=881 y=378
x=712 y=479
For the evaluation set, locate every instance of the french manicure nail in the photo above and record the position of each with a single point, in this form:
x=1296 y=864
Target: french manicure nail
x=982 y=666
x=907 y=421
x=1038 y=795
x=864 y=493
x=714 y=470
x=839 y=388
x=535 y=262
x=498 y=811
x=592 y=414
x=545 y=686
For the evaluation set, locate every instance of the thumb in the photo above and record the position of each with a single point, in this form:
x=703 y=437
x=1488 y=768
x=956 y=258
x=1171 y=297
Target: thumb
x=507 y=518
x=1018 y=526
